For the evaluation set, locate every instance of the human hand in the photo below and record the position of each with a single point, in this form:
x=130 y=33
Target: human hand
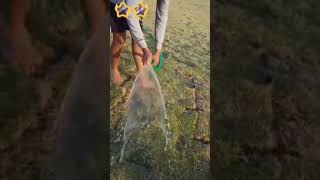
x=156 y=57
x=146 y=59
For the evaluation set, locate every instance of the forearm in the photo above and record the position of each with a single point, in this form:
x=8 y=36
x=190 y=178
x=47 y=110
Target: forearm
x=136 y=31
x=161 y=21
x=18 y=12
x=96 y=14
x=134 y=26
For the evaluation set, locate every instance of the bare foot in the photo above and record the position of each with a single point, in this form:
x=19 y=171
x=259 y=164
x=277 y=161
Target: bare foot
x=25 y=57
x=117 y=79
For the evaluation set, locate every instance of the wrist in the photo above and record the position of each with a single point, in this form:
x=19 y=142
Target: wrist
x=157 y=51
x=145 y=50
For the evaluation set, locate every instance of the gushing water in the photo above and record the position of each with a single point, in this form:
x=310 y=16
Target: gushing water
x=146 y=106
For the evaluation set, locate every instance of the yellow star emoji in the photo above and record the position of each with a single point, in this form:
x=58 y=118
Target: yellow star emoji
x=122 y=10
x=141 y=10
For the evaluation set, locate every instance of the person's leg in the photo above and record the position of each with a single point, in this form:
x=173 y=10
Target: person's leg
x=118 y=42
x=95 y=14
x=137 y=55
x=25 y=57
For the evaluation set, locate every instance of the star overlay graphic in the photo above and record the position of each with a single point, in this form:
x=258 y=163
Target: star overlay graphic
x=122 y=10
x=141 y=10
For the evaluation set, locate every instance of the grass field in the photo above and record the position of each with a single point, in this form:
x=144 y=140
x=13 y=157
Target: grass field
x=185 y=85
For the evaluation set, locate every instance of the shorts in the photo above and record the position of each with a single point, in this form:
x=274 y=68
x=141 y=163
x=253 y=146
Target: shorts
x=118 y=24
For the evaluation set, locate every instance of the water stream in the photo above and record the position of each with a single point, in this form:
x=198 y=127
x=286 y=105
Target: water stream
x=146 y=107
